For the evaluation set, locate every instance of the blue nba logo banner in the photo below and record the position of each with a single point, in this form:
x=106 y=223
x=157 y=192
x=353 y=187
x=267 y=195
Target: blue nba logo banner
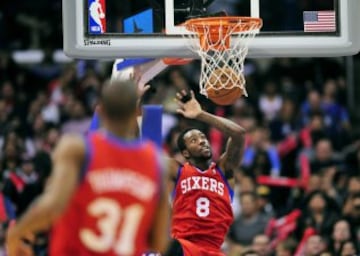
x=97 y=16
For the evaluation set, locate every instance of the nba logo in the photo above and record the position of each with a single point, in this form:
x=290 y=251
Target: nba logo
x=97 y=16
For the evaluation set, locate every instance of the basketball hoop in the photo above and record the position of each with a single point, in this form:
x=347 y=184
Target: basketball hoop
x=222 y=44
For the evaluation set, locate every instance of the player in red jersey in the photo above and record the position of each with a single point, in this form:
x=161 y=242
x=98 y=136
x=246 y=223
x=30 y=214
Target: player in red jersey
x=202 y=211
x=105 y=195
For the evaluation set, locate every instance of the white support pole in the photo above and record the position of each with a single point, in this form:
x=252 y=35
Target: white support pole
x=169 y=15
x=255 y=9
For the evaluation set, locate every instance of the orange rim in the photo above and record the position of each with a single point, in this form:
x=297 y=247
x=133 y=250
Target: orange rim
x=212 y=24
x=247 y=23
x=176 y=61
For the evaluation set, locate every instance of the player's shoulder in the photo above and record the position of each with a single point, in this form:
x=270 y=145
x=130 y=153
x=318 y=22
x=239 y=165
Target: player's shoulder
x=71 y=143
x=72 y=139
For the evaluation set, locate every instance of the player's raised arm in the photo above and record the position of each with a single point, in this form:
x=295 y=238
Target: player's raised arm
x=68 y=158
x=192 y=109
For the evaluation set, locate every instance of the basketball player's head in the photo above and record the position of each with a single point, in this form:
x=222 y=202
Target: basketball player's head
x=118 y=102
x=193 y=144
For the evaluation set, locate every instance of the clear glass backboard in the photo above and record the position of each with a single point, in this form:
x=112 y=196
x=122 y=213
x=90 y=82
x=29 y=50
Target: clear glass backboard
x=111 y=29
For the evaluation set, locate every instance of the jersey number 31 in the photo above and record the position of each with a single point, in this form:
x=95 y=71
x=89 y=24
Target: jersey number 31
x=110 y=216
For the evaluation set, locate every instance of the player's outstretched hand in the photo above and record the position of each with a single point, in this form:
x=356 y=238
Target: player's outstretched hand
x=189 y=107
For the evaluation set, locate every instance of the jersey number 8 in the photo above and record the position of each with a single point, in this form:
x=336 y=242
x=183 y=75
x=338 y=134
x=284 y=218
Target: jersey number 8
x=202 y=207
x=110 y=215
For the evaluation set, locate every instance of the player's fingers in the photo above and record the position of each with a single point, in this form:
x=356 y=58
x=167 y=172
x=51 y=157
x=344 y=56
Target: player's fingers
x=184 y=93
x=147 y=87
x=180 y=111
x=192 y=94
x=179 y=102
x=179 y=96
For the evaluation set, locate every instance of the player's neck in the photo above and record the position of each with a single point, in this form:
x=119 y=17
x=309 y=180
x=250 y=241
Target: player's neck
x=122 y=131
x=201 y=163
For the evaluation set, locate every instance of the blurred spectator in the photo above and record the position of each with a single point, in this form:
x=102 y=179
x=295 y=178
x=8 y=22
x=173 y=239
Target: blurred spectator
x=11 y=157
x=261 y=157
x=285 y=123
x=249 y=223
x=286 y=248
x=50 y=111
x=311 y=105
x=19 y=184
x=348 y=248
x=314 y=246
x=320 y=212
x=313 y=131
x=264 y=203
x=337 y=117
x=246 y=183
x=341 y=233
x=351 y=211
x=78 y=121
x=270 y=102
x=58 y=87
x=354 y=185
x=324 y=157
x=89 y=89
x=261 y=245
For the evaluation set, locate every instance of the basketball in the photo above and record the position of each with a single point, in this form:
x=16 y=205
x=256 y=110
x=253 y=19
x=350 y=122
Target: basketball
x=220 y=87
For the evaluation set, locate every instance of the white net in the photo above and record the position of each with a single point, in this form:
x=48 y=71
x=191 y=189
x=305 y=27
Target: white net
x=222 y=44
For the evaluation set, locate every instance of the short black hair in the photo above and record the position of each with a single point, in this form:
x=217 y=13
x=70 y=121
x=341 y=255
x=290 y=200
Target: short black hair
x=180 y=141
x=119 y=99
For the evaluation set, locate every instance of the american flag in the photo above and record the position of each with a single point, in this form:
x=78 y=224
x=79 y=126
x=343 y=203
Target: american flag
x=319 y=21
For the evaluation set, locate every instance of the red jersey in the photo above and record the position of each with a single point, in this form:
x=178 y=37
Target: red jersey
x=112 y=210
x=202 y=212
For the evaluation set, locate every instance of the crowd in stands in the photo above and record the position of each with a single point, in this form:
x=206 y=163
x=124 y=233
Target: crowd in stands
x=297 y=126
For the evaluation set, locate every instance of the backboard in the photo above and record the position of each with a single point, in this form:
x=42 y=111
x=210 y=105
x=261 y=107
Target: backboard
x=109 y=29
